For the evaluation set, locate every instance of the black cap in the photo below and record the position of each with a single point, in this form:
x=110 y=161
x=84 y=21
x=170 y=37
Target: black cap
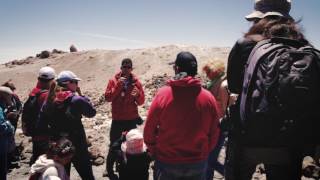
x=187 y=62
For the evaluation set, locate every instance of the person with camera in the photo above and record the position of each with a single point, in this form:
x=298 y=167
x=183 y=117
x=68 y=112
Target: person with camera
x=125 y=92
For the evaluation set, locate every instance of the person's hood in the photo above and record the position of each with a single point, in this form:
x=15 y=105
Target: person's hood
x=63 y=95
x=42 y=164
x=185 y=82
x=40 y=86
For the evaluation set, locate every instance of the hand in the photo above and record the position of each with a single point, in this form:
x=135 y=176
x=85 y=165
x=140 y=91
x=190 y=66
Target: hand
x=135 y=92
x=122 y=80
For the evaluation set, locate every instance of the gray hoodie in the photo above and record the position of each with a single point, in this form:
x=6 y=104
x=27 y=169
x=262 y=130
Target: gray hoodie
x=48 y=169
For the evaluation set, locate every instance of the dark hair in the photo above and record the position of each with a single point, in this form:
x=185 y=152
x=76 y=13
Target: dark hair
x=276 y=26
x=126 y=61
x=61 y=148
x=10 y=85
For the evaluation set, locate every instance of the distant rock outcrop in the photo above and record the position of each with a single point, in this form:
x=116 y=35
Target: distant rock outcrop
x=44 y=54
x=73 y=48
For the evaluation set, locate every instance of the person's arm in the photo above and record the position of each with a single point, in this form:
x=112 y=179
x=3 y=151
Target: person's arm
x=140 y=97
x=113 y=90
x=151 y=126
x=84 y=106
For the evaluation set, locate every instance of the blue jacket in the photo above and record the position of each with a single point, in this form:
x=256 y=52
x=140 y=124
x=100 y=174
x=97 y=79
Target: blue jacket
x=6 y=128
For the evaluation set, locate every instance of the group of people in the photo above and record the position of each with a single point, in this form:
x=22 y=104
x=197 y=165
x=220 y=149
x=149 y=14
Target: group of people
x=263 y=108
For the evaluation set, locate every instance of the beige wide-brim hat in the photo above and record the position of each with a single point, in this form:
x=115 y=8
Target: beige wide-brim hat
x=5 y=90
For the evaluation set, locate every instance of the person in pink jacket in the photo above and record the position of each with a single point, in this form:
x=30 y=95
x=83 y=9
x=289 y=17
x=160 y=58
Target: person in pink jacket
x=182 y=124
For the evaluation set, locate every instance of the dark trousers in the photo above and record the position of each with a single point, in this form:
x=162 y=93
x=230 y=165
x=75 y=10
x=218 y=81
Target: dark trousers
x=213 y=163
x=280 y=163
x=117 y=127
x=3 y=157
x=135 y=167
x=81 y=159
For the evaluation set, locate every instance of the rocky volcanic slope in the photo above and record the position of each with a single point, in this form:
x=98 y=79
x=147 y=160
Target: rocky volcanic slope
x=95 y=67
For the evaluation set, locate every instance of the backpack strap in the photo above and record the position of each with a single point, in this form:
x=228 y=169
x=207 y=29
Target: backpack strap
x=262 y=49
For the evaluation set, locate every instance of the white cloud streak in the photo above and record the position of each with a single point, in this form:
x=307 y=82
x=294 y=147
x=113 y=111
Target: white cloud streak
x=102 y=36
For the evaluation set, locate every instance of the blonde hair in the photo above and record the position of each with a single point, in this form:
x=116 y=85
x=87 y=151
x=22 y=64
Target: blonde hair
x=214 y=68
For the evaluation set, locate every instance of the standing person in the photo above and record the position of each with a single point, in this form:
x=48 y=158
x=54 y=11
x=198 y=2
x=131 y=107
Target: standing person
x=182 y=124
x=50 y=166
x=6 y=129
x=237 y=61
x=31 y=109
x=63 y=112
x=218 y=86
x=125 y=92
x=16 y=106
x=277 y=104
x=13 y=114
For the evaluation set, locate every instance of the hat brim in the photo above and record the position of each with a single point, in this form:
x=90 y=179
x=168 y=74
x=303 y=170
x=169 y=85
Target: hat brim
x=274 y=13
x=254 y=15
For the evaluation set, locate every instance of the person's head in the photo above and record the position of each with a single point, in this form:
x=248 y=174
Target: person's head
x=5 y=95
x=61 y=151
x=68 y=80
x=46 y=74
x=126 y=67
x=264 y=8
x=10 y=85
x=214 y=69
x=282 y=27
x=134 y=143
x=186 y=62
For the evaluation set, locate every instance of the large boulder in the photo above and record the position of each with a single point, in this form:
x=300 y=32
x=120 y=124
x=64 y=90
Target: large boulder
x=73 y=48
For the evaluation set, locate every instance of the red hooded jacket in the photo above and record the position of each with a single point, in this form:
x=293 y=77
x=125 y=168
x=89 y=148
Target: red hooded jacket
x=182 y=123
x=124 y=105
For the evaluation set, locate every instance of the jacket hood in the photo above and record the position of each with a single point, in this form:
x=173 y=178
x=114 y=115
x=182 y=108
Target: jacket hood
x=185 y=82
x=42 y=164
x=63 y=95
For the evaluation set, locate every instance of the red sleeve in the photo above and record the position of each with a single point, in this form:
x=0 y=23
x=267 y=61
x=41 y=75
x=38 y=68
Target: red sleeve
x=150 y=128
x=140 y=99
x=213 y=114
x=112 y=91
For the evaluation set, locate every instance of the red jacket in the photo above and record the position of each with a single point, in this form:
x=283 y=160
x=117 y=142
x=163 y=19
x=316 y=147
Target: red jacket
x=182 y=123
x=43 y=96
x=124 y=105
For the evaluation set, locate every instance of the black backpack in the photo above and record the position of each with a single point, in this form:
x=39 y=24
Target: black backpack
x=281 y=91
x=61 y=121
x=30 y=114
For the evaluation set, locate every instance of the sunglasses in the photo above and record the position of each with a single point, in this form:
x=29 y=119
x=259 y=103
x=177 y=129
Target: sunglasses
x=74 y=81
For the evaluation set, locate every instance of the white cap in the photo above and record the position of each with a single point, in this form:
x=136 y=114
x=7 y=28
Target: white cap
x=65 y=76
x=47 y=73
x=5 y=90
x=134 y=143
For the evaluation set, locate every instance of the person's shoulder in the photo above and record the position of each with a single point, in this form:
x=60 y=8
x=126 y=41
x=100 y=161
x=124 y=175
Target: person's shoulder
x=51 y=171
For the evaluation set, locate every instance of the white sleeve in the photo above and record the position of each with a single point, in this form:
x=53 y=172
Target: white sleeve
x=51 y=174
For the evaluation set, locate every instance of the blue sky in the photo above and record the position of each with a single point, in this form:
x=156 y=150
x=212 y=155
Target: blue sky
x=29 y=26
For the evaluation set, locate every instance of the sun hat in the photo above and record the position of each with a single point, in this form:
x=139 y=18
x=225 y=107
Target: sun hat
x=66 y=76
x=134 y=143
x=264 y=8
x=47 y=73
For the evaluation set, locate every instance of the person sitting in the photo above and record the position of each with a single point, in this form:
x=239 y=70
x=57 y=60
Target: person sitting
x=50 y=166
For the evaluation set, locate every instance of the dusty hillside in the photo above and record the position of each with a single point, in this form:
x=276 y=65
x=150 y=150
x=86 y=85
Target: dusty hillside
x=95 y=67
